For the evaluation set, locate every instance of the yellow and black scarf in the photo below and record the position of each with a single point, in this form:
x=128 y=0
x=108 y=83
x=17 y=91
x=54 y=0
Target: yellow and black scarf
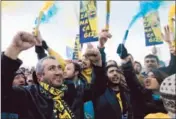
x=61 y=110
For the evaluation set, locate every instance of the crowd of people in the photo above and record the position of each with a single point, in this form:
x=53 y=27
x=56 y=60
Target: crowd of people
x=88 y=88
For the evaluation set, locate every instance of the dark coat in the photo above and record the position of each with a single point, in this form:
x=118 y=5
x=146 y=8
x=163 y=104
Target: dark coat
x=78 y=102
x=108 y=107
x=141 y=98
x=29 y=102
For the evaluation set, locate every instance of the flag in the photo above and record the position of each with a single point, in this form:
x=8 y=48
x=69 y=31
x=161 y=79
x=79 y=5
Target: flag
x=47 y=15
x=47 y=12
x=88 y=21
x=69 y=52
x=152 y=29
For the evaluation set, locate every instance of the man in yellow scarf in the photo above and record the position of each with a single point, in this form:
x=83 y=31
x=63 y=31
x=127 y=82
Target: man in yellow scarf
x=50 y=98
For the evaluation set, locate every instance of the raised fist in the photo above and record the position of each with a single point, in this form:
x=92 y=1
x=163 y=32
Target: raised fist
x=23 y=41
x=103 y=37
x=93 y=54
x=122 y=51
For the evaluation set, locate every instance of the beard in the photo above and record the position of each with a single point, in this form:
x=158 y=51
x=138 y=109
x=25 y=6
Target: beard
x=110 y=83
x=137 y=72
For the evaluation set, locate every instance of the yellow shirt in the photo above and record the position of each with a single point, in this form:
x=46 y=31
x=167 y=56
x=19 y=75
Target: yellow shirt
x=87 y=73
x=157 y=116
x=120 y=101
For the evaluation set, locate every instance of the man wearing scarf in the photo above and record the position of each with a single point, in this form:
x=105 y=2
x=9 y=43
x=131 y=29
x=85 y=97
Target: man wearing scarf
x=50 y=98
x=86 y=66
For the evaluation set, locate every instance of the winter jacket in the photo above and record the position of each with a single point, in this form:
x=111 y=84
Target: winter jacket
x=141 y=98
x=107 y=105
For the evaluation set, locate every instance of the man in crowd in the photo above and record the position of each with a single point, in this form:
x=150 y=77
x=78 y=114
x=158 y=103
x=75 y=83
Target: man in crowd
x=86 y=64
x=51 y=98
x=19 y=79
x=72 y=75
x=114 y=103
x=152 y=62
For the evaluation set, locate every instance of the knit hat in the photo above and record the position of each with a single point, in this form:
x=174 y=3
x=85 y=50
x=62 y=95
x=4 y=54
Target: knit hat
x=168 y=93
x=20 y=71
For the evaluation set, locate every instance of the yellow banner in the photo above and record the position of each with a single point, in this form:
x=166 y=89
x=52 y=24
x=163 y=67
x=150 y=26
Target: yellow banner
x=171 y=17
x=152 y=29
x=77 y=49
x=88 y=21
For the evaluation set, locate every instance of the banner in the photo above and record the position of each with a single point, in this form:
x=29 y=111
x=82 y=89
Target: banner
x=172 y=15
x=152 y=29
x=77 y=49
x=88 y=21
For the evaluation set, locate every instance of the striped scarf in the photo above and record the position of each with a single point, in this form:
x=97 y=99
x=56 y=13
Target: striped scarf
x=61 y=109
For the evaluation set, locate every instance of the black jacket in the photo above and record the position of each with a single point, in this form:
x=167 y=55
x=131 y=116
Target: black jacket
x=78 y=103
x=107 y=106
x=141 y=98
x=29 y=102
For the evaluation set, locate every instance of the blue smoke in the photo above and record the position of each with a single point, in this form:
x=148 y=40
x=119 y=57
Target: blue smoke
x=145 y=7
x=49 y=14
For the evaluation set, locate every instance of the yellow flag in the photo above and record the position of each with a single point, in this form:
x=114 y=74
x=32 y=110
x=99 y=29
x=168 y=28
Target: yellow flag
x=171 y=15
x=45 y=7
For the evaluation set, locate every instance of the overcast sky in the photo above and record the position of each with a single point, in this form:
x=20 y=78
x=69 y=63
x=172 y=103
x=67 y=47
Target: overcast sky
x=64 y=27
